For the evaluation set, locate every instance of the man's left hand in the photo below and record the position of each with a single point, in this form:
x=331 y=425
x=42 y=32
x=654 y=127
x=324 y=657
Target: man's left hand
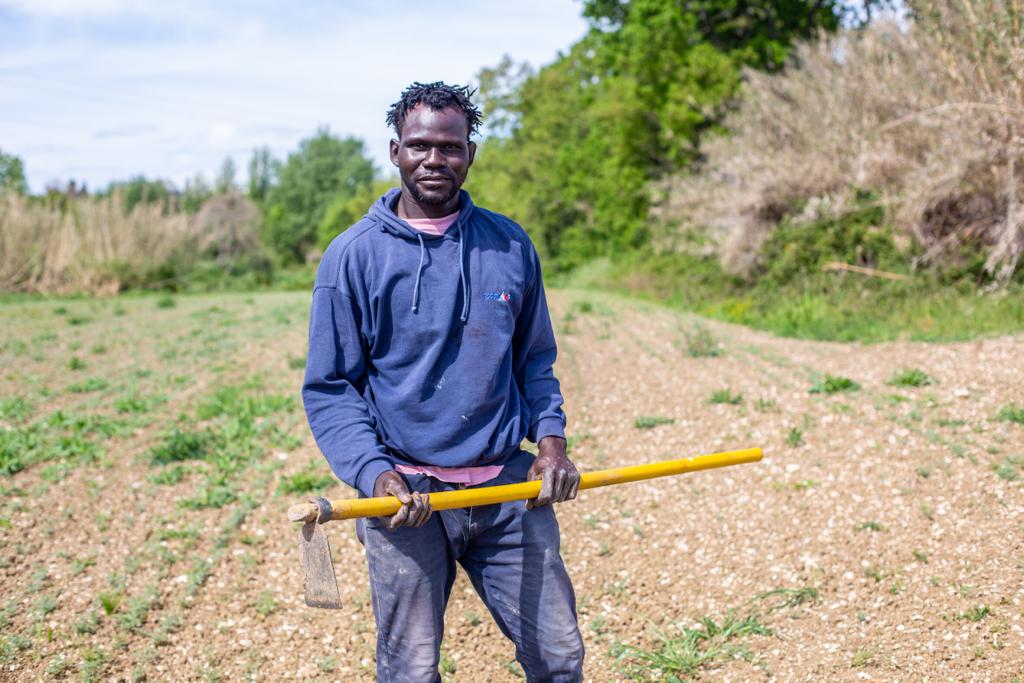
x=560 y=479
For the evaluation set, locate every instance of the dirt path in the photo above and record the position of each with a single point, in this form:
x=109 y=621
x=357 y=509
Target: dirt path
x=881 y=538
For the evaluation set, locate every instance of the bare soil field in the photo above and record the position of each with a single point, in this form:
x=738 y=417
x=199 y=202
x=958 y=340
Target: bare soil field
x=149 y=448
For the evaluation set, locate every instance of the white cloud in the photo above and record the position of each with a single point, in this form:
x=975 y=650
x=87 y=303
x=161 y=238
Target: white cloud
x=213 y=82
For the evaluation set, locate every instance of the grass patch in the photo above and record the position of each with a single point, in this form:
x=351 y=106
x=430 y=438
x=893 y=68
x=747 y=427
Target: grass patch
x=1011 y=412
x=179 y=445
x=63 y=437
x=168 y=476
x=791 y=296
x=138 y=403
x=726 y=396
x=795 y=437
x=783 y=598
x=912 y=377
x=651 y=421
x=1010 y=468
x=88 y=385
x=311 y=478
x=974 y=614
x=165 y=300
x=700 y=343
x=16 y=409
x=690 y=649
x=834 y=384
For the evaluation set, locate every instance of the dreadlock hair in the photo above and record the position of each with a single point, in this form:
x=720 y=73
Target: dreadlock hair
x=437 y=96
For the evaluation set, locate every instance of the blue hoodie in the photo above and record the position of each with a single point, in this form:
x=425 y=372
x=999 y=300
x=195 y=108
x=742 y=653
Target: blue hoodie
x=427 y=349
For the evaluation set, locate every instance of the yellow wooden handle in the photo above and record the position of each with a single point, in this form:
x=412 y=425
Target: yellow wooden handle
x=488 y=495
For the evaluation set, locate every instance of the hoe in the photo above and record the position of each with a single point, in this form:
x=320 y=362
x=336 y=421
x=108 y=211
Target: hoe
x=320 y=583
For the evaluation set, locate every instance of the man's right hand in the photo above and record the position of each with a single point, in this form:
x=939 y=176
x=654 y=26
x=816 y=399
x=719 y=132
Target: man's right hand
x=415 y=510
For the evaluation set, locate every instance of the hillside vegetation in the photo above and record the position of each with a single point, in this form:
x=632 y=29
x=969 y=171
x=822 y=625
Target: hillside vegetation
x=826 y=170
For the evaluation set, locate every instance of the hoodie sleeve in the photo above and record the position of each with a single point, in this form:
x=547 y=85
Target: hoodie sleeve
x=332 y=392
x=533 y=358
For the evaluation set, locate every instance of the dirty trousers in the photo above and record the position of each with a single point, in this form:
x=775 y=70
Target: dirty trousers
x=511 y=556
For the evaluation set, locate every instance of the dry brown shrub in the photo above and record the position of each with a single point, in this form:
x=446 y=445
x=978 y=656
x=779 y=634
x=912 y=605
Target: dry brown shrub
x=93 y=244
x=226 y=226
x=929 y=114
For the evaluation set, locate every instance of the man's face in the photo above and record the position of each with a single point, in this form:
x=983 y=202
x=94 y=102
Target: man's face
x=433 y=155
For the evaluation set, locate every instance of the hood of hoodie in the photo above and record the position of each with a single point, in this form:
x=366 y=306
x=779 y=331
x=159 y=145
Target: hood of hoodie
x=389 y=222
x=383 y=212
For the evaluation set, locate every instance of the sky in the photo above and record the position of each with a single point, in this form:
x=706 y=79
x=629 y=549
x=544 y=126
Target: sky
x=101 y=90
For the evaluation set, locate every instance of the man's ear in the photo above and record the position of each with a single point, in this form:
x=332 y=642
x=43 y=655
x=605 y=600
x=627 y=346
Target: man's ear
x=472 y=152
x=394 y=151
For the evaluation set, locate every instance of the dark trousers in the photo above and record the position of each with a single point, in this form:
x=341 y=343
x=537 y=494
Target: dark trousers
x=511 y=556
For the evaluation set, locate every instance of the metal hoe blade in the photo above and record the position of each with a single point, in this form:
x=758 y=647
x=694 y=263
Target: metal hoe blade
x=319 y=581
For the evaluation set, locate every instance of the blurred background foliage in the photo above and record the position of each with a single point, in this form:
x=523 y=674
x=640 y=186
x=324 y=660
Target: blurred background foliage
x=721 y=155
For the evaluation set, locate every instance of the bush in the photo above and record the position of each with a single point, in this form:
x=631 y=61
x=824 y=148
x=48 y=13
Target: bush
x=928 y=112
x=181 y=445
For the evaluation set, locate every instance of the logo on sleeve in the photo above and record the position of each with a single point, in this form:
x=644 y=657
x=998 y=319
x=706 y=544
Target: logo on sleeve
x=503 y=296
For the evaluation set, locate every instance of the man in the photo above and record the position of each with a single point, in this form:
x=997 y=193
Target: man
x=430 y=359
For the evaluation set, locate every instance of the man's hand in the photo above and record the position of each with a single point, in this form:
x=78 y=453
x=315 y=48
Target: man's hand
x=415 y=510
x=560 y=479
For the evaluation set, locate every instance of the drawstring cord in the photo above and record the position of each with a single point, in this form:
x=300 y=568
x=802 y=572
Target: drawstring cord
x=419 y=273
x=462 y=275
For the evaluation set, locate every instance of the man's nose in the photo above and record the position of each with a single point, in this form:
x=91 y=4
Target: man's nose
x=434 y=157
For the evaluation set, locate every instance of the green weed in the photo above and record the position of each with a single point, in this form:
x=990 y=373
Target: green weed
x=1010 y=468
x=165 y=300
x=311 y=478
x=110 y=601
x=168 y=476
x=1011 y=412
x=137 y=610
x=196 y=578
x=88 y=385
x=58 y=666
x=700 y=343
x=76 y=363
x=795 y=437
x=215 y=492
x=911 y=378
x=726 y=396
x=16 y=409
x=692 y=649
x=138 y=403
x=265 y=604
x=974 y=614
x=181 y=445
x=833 y=384
x=863 y=656
x=790 y=597
x=870 y=526
x=651 y=421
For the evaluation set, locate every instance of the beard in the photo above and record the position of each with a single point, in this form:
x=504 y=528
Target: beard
x=436 y=198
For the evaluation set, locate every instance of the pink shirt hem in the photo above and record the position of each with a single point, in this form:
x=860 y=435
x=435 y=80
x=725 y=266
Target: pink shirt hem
x=454 y=475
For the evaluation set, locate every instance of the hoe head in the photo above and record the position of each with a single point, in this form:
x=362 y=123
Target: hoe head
x=319 y=581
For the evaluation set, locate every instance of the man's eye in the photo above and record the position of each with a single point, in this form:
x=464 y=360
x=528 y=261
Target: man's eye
x=451 y=148
x=418 y=146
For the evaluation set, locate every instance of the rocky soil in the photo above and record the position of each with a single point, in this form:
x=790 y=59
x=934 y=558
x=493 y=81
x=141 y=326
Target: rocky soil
x=881 y=538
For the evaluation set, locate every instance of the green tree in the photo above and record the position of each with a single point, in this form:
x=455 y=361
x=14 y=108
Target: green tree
x=261 y=173
x=12 y=174
x=346 y=211
x=324 y=169
x=627 y=104
x=226 y=176
x=196 y=192
x=141 y=190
